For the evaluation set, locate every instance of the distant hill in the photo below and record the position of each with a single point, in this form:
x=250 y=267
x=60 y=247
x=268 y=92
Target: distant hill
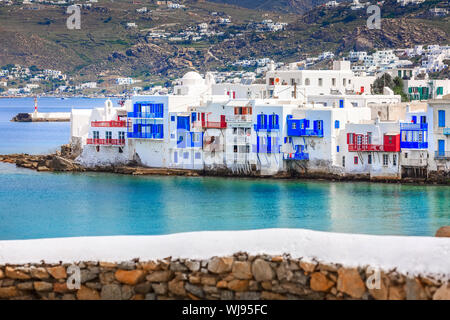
x=285 y=6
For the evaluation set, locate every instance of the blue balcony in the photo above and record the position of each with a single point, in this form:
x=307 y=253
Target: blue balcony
x=299 y=128
x=146 y=115
x=414 y=126
x=413 y=145
x=268 y=127
x=296 y=156
x=145 y=135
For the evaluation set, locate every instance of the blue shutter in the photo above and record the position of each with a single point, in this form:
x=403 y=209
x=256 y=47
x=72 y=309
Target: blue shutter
x=336 y=124
x=194 y=116
x=277 y=120
x=265 y=121
x=414 y=119
x=341 y=103
x=441 y=116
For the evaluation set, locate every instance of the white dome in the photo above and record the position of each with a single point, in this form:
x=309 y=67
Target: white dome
x=192 y=75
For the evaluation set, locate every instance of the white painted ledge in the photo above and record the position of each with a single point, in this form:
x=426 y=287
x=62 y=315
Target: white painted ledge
x=409 y=255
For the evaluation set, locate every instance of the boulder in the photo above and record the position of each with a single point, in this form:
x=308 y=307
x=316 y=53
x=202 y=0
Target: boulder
x=262 y=271
x=220 y=265
x=62 y=164
x=443 y=293
x=443 y=232
x=350 y=282
x=132 y=277
x=58 y=272
x=242 y=270
x=85 y=293
x=16 y=274
x=320 y=282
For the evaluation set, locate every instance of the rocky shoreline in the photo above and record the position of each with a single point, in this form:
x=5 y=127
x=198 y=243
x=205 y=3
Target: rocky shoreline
x=64 y=161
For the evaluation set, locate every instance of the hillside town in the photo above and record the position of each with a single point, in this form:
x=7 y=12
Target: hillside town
x=307 y=122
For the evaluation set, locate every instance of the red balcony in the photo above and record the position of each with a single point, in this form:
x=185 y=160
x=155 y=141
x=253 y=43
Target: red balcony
x=109 y=124
x=365 y=147
x=106 y=142
x=211 y=124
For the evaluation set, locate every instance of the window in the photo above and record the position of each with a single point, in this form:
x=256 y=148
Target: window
x=96 y=134
x=195 y=137
x=369 y=137
x=369 y=159
x=320 y=82
x=307 y=82
x=337 y=148
x=336 y=124
x=343 y=161
x=385 y=160
x=423 y=119
x=333 y=82
x=235 y=148
x=292 y=81
x=394 y=159
x=406 y=155
x=186 y=155
x=172 y=118
x=271 y=81
x=441 y=118
x=121 y=135
x=294 y=125
x=414 y=119
x=355 y=160
x=344 y=82
x=198 y=155
x=108 y=135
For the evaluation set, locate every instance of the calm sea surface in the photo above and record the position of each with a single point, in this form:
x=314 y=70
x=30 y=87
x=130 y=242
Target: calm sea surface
x=43 y=205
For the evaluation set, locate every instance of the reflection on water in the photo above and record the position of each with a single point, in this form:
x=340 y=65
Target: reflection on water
x=37 y=205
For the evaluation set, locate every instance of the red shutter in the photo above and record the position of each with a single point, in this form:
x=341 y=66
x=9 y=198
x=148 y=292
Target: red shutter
x=348 y=138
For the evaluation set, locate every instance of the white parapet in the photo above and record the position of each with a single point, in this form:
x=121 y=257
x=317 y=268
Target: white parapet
x=408 y=255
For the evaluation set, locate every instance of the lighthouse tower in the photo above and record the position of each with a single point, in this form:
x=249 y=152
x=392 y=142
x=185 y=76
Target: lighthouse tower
x=35 y=105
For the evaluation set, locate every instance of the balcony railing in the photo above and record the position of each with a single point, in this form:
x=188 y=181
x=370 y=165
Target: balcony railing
x=146 y=115
x=446 y=131
x=267 y=127
x=210 y=124
x=414 y=126
x=106 y=142
x=141 y=135
x=365 y=147
x=296 y=156
x=444 y=155
x=240 y=118
x=413 y=145
x=109 y=124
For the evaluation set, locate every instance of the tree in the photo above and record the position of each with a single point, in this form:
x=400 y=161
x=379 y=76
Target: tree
x=384 y=81
x=398 y=88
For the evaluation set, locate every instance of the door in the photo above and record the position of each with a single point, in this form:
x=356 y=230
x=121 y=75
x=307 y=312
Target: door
x=441 y=148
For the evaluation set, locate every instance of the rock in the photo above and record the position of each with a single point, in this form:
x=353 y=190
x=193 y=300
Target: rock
x=7 y=282
x=249 y=295
x=177 y=287
x=8 y=292
x=277 y=259
x=62 y=164
x=300 y=278
x=107 y=264
x=222 y=284
x=85 y=293
x=127 y=292
x=443 y=293
x=238 y=285
x=208 y=281
x=266 y=295
x=25 y=286
x=68 y=296
x=160 y=276
x=350 y=282
x=284 y=273
x=193 y=266
x=293 y=288
x=381 y=293
x=194 y=279
x=150 y=266
x=16 y=274
x=266 y=285
x=443 y=232
x=132 y=277
x=43 y=286
x=242 y=270
x=178 y=267
x=143 y=288
x=195 y=290
x=262 y=271
x=106 y=277
x=150 y=296
x=39 y=273
x=220 y=265
x=226 y=295
x=61 y=287
x=58 y=272
x=397 y=293
x=94 y=285
x=127 y=265
x=160 y=288
x=308 y=266
x=320 y=282
x=414 y=290
x=2 y=274
x=87 y=275
x=42 y=169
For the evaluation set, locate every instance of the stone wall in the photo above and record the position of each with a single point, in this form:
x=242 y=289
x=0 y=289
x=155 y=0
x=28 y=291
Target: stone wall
x=240 y=276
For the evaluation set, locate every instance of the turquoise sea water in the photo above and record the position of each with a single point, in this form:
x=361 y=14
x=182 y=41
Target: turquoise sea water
x=43 y=205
